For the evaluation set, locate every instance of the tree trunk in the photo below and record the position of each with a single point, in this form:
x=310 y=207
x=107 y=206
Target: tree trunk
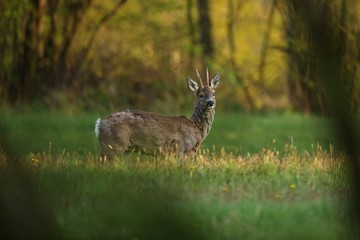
x=233 y=8
x=85 y=51
x=49 y=60
x=265 y=43
x=304 y=92
x=27 y=86
x=191 y=32
x=230 y=32
x=206 y=40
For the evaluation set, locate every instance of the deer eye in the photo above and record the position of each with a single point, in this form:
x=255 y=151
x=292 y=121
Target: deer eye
x=201 y=96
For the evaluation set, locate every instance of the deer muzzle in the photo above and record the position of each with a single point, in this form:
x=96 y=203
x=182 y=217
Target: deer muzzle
x=210 y=103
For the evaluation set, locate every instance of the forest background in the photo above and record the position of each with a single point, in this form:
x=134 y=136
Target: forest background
x=107 y=55
x=71 y=61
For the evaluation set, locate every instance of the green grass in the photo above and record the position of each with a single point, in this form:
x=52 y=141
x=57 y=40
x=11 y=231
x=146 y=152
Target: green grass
x=250 y=187
x=250 y=133
x=212 y=196
x=39 y=132
x=242 y=132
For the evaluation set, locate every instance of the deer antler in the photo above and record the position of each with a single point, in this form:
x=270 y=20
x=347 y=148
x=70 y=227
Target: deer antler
x=198 y=74
x=207 y=76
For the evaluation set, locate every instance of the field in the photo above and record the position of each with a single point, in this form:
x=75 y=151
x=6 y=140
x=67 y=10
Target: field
x=245 y=133
x=269 y=176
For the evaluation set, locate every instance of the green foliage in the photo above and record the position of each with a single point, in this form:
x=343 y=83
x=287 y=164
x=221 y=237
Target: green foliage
x=96 y=54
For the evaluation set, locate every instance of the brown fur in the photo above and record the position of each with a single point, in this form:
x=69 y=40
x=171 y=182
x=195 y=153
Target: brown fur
x=133 y=130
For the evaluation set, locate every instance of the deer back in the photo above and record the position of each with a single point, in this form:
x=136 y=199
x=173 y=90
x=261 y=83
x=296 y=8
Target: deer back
x=148 y=132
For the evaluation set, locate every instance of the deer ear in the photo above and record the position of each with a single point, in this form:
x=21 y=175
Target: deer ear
x=215 y=81
x=192 y=85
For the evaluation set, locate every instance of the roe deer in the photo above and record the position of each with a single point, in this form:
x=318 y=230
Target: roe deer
x=150 y=133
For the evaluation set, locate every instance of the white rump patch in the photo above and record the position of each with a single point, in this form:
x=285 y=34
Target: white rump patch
x=97 y=126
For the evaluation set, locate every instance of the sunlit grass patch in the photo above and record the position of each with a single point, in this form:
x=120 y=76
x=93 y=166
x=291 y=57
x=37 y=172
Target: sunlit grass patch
x=216 y=194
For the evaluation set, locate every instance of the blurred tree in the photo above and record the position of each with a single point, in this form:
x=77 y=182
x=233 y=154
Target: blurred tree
x=305 y=92
x=265 y=42
x=192 y=36
x=205 y=29
x=233 y=8
x=329 y=43
x=36 y=50
x=88 y=54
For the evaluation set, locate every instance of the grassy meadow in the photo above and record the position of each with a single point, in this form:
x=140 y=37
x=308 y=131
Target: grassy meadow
x=236 y=132
x=269 y=176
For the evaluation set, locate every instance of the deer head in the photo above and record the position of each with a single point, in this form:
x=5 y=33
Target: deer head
x=205 y=95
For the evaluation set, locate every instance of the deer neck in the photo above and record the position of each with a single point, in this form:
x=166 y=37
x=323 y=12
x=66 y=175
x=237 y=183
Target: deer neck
x=203 y=120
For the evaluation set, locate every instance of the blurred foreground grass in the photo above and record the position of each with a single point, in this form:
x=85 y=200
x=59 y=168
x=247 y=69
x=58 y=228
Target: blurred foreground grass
x=215 y=195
